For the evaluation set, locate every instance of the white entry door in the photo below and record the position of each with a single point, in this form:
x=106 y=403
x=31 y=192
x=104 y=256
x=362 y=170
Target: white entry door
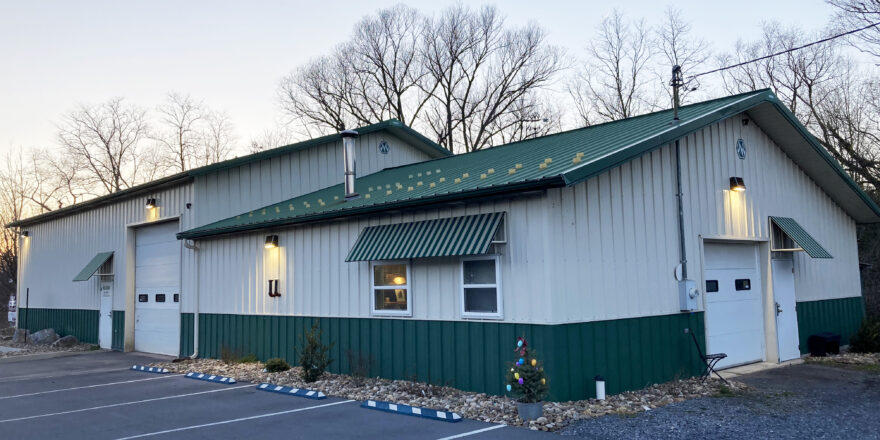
x=105 y=322
x=786 y=316
x=157 y=289
x=734 y=315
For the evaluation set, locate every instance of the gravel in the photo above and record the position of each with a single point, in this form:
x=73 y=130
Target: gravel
x=477 y=406
x=802 y=401
x=26 y=349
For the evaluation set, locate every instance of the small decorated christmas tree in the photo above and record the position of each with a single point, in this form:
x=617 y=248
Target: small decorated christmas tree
x=525 y=379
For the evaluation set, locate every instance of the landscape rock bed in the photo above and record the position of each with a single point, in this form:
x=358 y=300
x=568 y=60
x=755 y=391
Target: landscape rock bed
x=27 y=349
x=847 y=359
x=477 y=406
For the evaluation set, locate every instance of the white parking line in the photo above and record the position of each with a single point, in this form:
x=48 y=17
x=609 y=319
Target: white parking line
x=469 y=433
x=261 y=416
x=123 y=404
x=87 y=386
x=43 y=376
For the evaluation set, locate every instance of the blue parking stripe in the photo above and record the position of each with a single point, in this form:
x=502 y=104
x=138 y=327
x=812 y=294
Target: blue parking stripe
x=210 y=377
x=412 y=411
x=291 y=391
x=146 y=369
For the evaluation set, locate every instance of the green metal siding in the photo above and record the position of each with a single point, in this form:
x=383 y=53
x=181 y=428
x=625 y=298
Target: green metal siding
x=186 y=334
x=801 y=237
x=842 y=316
x=629 y=353
x=118 y=330
x=81 y=323
x=466 y=235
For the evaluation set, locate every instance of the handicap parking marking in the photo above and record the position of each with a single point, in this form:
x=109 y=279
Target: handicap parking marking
x=241 y=419
x=86 y=386
x=474 y=432
x=16 y=419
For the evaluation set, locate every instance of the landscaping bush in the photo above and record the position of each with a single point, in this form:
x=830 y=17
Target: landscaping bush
x=314 y=358
x=867 y=338
x=276 y=365
x=249 y=359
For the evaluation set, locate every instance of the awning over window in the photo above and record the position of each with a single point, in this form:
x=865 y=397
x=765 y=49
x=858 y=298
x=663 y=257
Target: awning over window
x=468 y=235
x=93 y=266
x=801 y=237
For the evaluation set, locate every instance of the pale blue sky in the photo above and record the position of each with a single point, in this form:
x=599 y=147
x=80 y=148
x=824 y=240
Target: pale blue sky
x=55 y=54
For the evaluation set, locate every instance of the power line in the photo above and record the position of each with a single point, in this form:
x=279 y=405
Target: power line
x=824 y=40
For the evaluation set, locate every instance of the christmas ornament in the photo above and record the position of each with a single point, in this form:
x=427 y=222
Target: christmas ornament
x=534 y=362
x=543 y=382
x=520 y=381
x=509 y=387
x=516 y=376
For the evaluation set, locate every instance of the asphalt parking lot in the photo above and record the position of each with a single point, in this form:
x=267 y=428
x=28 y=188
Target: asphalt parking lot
x=96 y=396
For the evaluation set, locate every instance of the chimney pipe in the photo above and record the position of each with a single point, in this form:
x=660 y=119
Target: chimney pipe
x=348 y=143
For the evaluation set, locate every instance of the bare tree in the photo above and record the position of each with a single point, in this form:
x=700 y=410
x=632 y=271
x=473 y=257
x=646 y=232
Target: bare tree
x=218 y=137
x=178 y=132
x=458 y=75
x=616 y=81
x=105 y=140
x=272 y=138
x=854 y=14
x=675 y=41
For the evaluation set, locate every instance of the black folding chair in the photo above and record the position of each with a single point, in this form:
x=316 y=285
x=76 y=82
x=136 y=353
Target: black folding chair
x=710 y=359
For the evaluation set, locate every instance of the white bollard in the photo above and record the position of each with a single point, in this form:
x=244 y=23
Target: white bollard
x=600 y=388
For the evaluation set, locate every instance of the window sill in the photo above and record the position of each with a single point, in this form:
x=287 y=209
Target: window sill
x=390 y=314
x=483 y=316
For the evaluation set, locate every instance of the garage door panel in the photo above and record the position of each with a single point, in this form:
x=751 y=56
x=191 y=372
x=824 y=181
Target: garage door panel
x=734 y=318
x=157 y=281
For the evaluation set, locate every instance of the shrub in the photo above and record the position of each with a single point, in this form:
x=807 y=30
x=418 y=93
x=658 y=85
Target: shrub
x=867 y=338
x=249 y=359
x=276 y=365
x=314 y=358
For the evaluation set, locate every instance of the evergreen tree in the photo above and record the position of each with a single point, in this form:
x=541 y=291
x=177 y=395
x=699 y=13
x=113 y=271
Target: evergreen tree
x=525 y=378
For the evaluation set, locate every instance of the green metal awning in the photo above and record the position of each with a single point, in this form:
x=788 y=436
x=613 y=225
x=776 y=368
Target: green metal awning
x=93 y=266
x=801 y=237
x=467 y=235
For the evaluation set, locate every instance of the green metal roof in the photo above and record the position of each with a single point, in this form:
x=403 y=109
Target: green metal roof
x=551 y=161
x=93 y=266
x=393 y=126
x=455 y=236
x=800 y=236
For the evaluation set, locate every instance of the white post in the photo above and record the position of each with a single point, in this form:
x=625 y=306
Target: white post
x=600 y=388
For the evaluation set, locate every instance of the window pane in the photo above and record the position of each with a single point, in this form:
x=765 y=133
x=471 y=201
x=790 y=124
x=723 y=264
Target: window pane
x=481 y=300
x=389 y=275
x=390 y=299
x=479 y=271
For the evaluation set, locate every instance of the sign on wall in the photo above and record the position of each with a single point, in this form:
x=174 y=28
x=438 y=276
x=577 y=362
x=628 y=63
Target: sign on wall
x=741 y=149
x=11 y=311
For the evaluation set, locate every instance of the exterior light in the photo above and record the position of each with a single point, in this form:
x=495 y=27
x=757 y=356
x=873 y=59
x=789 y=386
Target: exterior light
x=737 y=184
x=151 y=203
x=399 y=280
x=271 y=241
x=26 y=233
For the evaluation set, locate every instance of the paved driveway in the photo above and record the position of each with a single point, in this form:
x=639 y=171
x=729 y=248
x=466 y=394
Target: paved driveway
x=94 y=396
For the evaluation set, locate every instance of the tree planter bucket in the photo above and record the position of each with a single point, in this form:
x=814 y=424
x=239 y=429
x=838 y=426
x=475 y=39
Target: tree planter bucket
x=530 y=411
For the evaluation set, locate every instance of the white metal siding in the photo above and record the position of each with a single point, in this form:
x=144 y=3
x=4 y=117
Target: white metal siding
x=230 y=192
x=58 y=249
x=316 y=280
x=617 y=239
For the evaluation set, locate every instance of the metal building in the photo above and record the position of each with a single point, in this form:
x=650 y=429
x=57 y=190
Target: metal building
x=429 y=265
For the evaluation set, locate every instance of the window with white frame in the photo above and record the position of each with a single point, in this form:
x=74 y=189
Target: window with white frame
x=390 y=288
x=481 y=287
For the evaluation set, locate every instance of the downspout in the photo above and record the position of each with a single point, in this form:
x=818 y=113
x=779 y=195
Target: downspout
x=189 y=244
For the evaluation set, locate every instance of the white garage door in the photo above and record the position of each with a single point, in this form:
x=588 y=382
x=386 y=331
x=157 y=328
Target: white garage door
x=734 y=315
x=157 y=289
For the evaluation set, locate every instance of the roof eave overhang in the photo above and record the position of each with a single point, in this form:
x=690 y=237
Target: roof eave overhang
x=147 y=188
x=838 y=184
x=529 y=185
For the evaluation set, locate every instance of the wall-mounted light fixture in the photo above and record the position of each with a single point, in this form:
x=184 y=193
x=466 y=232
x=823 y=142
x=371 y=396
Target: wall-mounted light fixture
x=737 y=184
x=151 y=203
x=271 y=241
x=25 y=233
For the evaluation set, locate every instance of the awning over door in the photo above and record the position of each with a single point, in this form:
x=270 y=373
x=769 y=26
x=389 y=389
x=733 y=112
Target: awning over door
x=467 y=235
x=801 y=237
x=93 y=266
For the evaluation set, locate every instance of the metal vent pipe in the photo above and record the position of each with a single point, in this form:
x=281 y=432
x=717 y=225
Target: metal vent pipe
x=348 y=143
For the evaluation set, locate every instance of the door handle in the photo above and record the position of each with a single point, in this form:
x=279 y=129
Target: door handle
x=778 y=309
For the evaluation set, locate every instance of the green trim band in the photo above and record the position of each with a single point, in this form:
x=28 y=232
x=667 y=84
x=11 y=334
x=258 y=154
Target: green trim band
x=842 y=316
x=118 y=341
x=629 y=353
x=81 y=323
